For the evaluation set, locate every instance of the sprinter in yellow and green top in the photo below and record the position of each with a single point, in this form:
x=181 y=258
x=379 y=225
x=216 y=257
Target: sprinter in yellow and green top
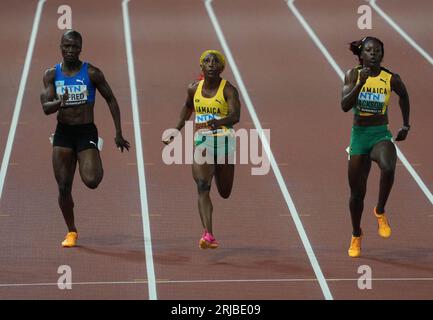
x=366 y=91
x=216 y=104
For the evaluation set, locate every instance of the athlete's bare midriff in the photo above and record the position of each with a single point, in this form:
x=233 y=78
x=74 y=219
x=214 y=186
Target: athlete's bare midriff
x=82 y=114
x=374 y=120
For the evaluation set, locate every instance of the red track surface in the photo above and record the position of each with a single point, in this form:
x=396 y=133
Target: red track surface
x=295 y=93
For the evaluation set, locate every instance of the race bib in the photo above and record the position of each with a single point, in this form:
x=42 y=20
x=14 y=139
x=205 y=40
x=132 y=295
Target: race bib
x=77 y=94
x=371 y=102
x=205 y=117
x=200 y=121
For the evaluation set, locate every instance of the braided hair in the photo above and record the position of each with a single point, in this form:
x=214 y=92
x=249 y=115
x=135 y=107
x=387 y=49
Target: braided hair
x=357 y=46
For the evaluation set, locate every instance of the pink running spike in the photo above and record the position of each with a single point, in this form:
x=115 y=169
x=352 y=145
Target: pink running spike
x=208 y=241
x=209 y=237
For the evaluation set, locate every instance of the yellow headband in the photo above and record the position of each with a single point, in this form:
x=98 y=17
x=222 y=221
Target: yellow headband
x=218 y=54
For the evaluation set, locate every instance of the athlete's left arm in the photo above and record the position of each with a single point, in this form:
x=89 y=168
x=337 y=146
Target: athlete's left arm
x=98 y=79
x=398 y=86
x=234 y=105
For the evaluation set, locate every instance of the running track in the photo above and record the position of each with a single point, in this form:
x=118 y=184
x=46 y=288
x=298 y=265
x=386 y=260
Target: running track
x=295 y=93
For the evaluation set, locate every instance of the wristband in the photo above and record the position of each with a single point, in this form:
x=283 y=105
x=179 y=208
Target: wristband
x=406 y=128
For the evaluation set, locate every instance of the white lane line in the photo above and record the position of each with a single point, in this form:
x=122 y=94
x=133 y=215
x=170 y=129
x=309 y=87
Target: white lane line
x=292 y=280
x=20 y=96
x=397 y=28
x=139 y=152
x=340 y=73
x=93 y=283
x=294 y=213
x=315 y=39
x=414 y=174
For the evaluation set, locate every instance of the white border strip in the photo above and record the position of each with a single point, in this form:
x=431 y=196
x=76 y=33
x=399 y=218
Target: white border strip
x=20 y=96
x=340 y=73
x=139 y=152
x=401 y=32
x=294 y=213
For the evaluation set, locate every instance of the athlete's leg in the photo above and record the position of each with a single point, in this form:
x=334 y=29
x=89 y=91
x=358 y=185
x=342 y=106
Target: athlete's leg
x=384 y=154
x=224 y=175
x=203 y=174
x=90 y=165
x=64 y=164
x=359 y=168
x=225 y=170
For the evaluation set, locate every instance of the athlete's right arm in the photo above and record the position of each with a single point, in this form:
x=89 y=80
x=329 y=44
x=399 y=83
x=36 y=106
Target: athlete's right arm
x=351 y=89
x=188 y=107
x=185 y=112
x=49 y=99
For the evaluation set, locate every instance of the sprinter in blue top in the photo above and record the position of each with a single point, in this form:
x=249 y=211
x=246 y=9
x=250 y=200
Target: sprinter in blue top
x=69 y=91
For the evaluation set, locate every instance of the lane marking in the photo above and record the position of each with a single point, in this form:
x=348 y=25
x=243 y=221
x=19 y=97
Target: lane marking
x=340 y=73
x=295 y=280
x=315 y=39
x=166 y=281
x=20 y=95
x=139 y=153
x=267 y=149
x=402 y=33
x=145 y=280
x=151 y=215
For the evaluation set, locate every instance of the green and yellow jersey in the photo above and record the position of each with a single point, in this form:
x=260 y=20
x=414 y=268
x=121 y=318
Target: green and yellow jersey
x=374 y=95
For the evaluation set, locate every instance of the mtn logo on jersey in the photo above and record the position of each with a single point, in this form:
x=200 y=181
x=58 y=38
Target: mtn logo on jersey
x=200 y=118
x=370 y=102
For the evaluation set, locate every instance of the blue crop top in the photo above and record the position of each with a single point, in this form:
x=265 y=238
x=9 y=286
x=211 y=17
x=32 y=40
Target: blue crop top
x=80 y=89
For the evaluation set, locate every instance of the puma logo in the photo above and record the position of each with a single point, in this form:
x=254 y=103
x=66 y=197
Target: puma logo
x=93 y=143
x=218 y=101
x=82 y=81
x=383 y=80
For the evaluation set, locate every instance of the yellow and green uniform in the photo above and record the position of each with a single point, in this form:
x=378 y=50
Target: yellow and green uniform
x=374 y=95
x=372 y=99
x=207 y=109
